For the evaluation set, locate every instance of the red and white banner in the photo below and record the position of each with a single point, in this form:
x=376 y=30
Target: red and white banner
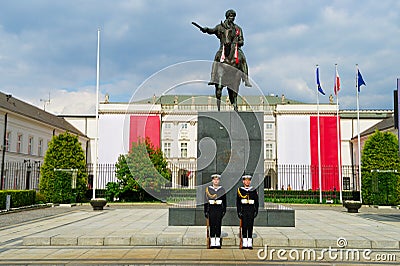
x=143 y=127
x=329 y=152
x=297 y=150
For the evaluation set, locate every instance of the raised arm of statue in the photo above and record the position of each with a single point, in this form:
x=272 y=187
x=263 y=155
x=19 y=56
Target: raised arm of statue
x=200 y=27
x=214 y=30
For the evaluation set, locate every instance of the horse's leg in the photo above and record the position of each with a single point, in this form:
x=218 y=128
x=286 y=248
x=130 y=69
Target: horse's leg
x=218 y=94
x=233 y=98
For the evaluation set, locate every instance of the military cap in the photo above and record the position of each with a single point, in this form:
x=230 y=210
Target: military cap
x=215 y=176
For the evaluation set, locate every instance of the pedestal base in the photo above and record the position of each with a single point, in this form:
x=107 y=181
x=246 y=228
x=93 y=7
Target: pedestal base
x=276 y=215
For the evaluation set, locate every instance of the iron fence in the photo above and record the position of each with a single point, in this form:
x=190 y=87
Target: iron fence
x=19 y=175
x=105 y=174
x=308 y=177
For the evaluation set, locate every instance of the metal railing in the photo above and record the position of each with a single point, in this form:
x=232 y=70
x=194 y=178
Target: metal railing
x=306 y=177
x=20 y=175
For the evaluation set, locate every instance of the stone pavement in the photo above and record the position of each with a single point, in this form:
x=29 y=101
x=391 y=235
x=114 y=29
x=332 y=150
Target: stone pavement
x=141 y=235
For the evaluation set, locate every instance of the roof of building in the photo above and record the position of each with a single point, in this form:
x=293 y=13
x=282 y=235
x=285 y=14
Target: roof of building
x=384 y=125
x=367 y=114
x=207 y=99
x=14 y=105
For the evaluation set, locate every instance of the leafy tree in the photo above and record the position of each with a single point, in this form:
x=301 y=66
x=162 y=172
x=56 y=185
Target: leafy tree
x=157 y=158
x=127 y=183
x=380 y=185
x=113 y=190
x=63 y=154
x=143 y=169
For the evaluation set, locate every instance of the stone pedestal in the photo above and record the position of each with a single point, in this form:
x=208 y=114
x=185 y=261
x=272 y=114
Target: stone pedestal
x=275 y=215
x=230 y=144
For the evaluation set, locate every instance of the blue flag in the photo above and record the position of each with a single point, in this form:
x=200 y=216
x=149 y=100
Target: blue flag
x=319 y=83
x=360 y=80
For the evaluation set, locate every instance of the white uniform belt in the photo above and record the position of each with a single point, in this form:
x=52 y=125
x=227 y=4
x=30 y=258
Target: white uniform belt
x=247 y=201
x=219 y=202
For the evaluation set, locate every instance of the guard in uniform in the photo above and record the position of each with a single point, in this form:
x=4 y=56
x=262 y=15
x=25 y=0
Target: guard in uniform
x=214 y=209
x=247 y=209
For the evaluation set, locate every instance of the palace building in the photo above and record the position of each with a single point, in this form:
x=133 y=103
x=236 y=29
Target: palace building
x=291 y=131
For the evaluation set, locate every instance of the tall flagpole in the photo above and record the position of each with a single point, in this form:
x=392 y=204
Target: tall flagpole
x=337 y=87
x=358 y=134
x=96 y=149
x=319 y=149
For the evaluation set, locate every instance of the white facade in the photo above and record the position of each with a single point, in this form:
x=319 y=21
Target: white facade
x=25 y=133
x=179 y=131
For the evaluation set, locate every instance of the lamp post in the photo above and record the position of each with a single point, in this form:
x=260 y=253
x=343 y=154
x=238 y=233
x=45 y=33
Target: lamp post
x=28 y=176
x=28 y=173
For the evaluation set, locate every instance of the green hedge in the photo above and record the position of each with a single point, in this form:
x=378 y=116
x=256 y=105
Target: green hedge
x=19 y=198
x=307 y=196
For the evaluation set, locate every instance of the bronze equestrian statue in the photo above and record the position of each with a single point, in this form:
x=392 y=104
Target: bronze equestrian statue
x=230 y=66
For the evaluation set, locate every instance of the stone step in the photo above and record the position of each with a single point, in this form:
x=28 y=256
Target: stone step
x=198 y=239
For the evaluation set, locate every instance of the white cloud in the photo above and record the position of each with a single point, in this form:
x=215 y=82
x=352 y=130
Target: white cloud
x=65 y=102
x=50 y=46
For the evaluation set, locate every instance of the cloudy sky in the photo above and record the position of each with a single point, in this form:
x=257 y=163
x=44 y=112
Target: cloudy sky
x=49 y=47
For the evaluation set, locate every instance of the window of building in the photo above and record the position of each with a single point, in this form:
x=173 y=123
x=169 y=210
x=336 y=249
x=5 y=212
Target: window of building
x=267 y=182
x=40 y=147
x=184 y=149
x=19 y=143
x=268 y=151
x=30 y=145
x=167 y=149
x=8 y=139
x=184 y=178
x=269 y=125
x=167 y=125
x=184 y=126
x=346 y=183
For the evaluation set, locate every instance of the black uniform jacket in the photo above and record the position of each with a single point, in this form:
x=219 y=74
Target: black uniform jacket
x=247 y=200
x=214 y=198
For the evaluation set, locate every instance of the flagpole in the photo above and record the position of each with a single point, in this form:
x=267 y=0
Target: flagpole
x=96 y=158
x=358 y=133
x=319 y=148
x=338 y=135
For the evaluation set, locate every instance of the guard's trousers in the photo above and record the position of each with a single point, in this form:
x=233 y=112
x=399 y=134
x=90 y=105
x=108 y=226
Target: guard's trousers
x=215 y=219
x=247 y=221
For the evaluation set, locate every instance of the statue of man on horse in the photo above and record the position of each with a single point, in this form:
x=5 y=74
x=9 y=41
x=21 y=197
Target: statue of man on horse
x=230 y=66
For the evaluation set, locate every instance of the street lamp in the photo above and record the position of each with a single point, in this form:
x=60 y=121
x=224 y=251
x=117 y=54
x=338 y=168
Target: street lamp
x=28 y=173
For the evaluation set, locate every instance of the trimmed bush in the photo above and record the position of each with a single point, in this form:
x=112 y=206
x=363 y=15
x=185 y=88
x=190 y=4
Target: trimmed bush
x=63 y=156
x=19 y=198
x=380 y=169
x=305 y=197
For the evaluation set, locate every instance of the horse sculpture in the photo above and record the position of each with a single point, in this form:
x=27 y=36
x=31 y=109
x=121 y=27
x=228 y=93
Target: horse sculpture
x=229 y=66
x=226 y=69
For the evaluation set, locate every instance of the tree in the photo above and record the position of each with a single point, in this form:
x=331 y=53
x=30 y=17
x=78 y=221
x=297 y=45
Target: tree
x=144 y=168
x=127 y=183
x=64 y=156
x=380 y=160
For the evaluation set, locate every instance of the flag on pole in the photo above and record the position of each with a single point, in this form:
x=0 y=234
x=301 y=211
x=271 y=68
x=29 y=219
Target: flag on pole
x=336 y=88
x=319 y=83
x=360 y=80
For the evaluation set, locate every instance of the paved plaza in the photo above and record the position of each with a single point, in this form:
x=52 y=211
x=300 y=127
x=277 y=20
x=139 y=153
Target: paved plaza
x=136 y=234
